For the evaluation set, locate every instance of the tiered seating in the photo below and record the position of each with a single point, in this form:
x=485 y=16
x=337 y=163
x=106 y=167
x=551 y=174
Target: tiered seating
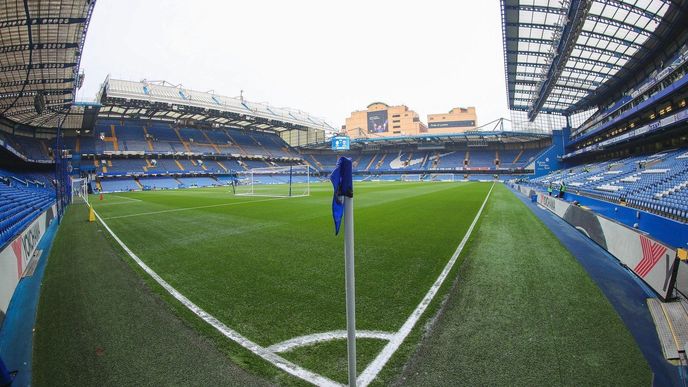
x=164 y=138
x=450 y=160
x=657 y=183
x=19 y=206
x=119 y=185
x=481 y=158
x=198 y=181
x=159 y=183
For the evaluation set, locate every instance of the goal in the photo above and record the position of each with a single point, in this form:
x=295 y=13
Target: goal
x=412 y=177
x=79 y=191
x=442 y=177
x=285 y=181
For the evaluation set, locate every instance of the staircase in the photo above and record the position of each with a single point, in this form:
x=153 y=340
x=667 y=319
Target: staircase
x=138 y=183
x=260 y=145
x=179 y=165
x=518 y=156
x=235 y=143
x=148 y=140
x=77 y=146
x=367 y=168
x=211 y=142
x=425 y=161
x=222 y=166
x=112 y=138
x=186 y=144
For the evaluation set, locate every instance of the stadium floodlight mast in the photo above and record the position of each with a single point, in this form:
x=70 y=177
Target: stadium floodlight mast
x=284 y=181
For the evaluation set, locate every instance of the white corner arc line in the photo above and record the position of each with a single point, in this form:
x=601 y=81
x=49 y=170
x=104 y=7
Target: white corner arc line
x=231 y=334
x=383 y=357
x=193 y=208
x=316 y=338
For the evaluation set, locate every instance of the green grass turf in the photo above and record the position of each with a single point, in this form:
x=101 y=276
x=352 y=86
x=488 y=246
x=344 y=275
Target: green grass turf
x=99 y=324
x=335 y=352
x=524 y=312
x=273 y=270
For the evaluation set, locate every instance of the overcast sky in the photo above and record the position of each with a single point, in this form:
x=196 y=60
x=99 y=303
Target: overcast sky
x=327 y=58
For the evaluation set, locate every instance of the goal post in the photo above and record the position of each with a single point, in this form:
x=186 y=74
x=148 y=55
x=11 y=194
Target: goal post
x=284 y=181
x=411 y=177
x=79 y=191
x=441 y=177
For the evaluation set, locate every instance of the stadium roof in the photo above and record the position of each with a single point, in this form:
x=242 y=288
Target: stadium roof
x=560 y=54
x=40 y=51
x=163 y=101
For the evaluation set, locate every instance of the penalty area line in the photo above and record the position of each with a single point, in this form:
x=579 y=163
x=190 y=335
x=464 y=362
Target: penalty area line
x=193 y=208
x=374 y=368
x=226 y=331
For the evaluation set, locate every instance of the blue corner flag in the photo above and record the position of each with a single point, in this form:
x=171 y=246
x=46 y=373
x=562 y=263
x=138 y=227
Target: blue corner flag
x=342 y=182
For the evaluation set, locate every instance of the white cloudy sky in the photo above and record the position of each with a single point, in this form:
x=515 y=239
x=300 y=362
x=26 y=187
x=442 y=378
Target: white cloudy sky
x=325 y=57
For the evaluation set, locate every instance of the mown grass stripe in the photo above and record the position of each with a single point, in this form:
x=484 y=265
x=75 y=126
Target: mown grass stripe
x=383 y=357
x=231 y=334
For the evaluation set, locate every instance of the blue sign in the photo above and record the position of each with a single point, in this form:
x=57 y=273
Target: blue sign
x=341 y=143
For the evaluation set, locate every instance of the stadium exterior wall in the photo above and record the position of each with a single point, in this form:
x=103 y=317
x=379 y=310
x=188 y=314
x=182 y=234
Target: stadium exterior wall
x=652 y=261
x=17 y=256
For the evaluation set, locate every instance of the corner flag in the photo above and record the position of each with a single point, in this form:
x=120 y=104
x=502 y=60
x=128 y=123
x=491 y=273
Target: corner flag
x=343 y=205
x=342 y=182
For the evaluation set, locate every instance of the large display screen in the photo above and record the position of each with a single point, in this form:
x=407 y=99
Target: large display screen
x=377 y=122
x=340 y=143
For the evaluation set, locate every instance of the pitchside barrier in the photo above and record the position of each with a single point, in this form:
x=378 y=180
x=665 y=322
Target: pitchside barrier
x=17 y=258
x=652 y=261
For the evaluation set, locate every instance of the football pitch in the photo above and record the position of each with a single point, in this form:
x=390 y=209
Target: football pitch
x=268 y=274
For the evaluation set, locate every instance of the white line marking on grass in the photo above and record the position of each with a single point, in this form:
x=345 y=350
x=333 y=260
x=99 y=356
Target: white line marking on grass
x=192 y=208
x=316 y=338
x=127 y=198
x=231 y=334
x=383 y=357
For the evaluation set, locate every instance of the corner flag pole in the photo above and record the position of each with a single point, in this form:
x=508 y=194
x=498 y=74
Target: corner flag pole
x=350 y=287
x=343 y=206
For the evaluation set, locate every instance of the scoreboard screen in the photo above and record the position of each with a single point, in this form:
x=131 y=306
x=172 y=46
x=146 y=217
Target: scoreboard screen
x=340 y=143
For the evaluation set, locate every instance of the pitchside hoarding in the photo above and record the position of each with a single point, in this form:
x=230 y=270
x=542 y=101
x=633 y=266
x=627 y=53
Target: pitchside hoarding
x=651 y=260
x=378 y=122
x=17 y=255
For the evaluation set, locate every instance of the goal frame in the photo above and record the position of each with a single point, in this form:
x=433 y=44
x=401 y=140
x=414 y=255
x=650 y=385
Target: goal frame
x=434 y=177
x=414 y=177
x=79 y=188
x=290 y=171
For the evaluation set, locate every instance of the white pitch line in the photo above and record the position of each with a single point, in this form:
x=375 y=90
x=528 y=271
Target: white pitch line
x=192 y=208
x=383 y=357
x=231 y=334
x=316 y=338
x=127 y=198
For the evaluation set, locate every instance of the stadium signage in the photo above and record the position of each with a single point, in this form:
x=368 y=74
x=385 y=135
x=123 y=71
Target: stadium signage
x=17 y=256
x=452 y=124
x=652 y=261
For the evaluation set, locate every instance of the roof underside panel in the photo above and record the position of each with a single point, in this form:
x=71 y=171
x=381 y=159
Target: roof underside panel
x=559 y=52
x=40 y=50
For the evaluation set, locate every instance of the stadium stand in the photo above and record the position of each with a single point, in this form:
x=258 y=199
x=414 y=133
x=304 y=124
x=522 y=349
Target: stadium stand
x=23 y=197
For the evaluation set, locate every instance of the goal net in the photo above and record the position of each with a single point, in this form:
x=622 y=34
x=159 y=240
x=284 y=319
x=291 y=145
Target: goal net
x=79 y=191
x=412 y=177
x=442 y=177
x=286 y=181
